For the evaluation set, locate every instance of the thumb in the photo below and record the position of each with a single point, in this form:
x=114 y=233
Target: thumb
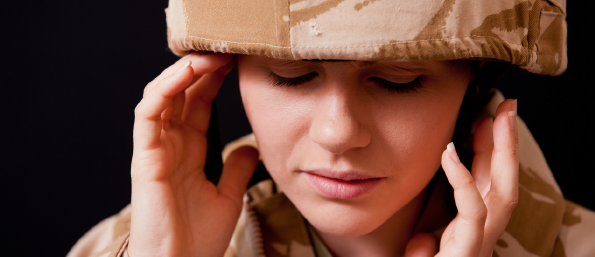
x=237 y=171
x=422 y=245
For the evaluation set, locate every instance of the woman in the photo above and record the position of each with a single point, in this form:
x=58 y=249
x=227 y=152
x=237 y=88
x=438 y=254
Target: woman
x=352 y=105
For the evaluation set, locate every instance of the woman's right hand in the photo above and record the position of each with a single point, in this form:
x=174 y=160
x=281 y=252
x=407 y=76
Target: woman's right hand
x=176 y=211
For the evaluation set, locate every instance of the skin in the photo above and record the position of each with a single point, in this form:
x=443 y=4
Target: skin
x=340 y=120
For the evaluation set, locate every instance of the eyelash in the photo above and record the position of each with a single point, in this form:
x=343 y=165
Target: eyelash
x=279 y=81
x=409 y=87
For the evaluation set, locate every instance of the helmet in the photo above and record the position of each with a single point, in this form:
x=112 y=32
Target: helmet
x=530 y=34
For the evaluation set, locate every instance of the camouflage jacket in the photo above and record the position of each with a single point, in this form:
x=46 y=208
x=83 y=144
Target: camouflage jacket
x=543 y=224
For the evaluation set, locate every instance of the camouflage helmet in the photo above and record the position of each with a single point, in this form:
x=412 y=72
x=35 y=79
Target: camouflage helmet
x=528 y=33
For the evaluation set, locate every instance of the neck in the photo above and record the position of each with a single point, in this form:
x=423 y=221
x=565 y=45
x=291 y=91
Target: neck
x=390 y=239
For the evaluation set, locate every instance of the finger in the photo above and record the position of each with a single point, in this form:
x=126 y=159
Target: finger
x=505 y=156
x=199 y=98
x=448 y=234
x=503 y=195
x=165 y=118
x=422 y=245
x=177 y=107
x=236 y=174
x=229 y=66
x=210 y=63
x=152 y=106
x=148 y=113
x=202 y=62
x=178 y=65
x=483 y=144
x=472 y=214
x=201 y=93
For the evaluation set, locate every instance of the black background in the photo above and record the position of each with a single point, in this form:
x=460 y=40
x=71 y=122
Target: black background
x=73 y=71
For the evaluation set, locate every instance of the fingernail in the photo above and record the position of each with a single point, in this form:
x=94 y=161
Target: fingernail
x=453 y=153
x=512 y=119
x=514 y=104
x=188 y=63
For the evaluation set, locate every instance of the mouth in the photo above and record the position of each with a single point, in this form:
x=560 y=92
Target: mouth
x=341 y=185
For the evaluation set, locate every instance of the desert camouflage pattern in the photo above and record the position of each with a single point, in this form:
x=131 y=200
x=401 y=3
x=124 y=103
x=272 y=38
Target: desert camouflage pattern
x=543 y=224
x=528 y=33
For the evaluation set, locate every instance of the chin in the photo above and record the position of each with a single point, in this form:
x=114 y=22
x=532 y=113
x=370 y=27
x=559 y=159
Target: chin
x=344 y=220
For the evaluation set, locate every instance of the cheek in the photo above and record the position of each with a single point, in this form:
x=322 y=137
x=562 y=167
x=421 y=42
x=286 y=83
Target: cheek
x=279 y=121
x=417 y=135
x=411 y=134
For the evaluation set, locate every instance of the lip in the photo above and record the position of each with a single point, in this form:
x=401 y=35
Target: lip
x=341 y=185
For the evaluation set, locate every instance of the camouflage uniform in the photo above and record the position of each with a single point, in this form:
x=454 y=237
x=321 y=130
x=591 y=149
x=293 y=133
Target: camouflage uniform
x=530 y=34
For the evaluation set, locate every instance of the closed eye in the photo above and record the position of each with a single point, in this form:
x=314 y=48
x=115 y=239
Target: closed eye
x=279 y=81
x=409 y=87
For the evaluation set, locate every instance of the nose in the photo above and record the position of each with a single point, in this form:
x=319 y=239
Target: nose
x=338 y=123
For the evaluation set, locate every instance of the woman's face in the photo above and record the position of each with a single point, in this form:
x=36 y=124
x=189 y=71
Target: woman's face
x=350 y=143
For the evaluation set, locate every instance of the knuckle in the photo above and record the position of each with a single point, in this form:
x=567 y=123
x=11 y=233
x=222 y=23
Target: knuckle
x=468 y=182
x=511 y=203
x=148 y=87
x=138 y=109
x=482 y=213
x=143 y=168
x=141 y=111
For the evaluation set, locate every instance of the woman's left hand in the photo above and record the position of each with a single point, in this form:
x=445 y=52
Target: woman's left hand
x=486 y=197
